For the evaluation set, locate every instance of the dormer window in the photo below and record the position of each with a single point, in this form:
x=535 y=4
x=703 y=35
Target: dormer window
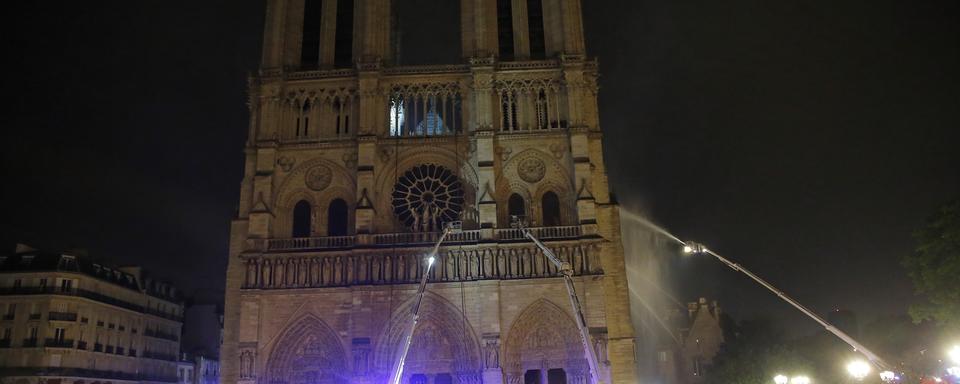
x=26 y=260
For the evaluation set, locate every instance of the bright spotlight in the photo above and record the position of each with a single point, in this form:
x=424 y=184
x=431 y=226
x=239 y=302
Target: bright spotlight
x=888 y=376
x=954 y=371
x=800 y=380
x=780 y=379
x=431 y=260
x=687 y=249
x=954 y=354
x=858 y=369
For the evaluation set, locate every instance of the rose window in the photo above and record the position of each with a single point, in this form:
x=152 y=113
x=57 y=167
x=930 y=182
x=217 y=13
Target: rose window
x=426 y=197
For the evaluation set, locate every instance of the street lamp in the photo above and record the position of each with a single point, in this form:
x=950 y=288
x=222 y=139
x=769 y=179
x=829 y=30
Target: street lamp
x=780 y=379
x=800 y=380
x=858 y=369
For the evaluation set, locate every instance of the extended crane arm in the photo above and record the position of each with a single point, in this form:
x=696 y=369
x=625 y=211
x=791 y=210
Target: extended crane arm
x=407 y=338
x=567 y=271
x=691 y=247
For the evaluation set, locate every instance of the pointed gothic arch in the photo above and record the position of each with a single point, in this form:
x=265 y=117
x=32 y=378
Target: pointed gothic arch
x=443 y=342
x=543 y=337
x=308 y=352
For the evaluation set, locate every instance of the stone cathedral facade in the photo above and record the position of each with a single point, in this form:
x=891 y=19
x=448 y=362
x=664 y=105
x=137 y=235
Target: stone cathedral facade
x=354 y=164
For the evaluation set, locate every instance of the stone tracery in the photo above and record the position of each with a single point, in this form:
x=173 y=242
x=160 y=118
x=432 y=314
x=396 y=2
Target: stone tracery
x=308 y=352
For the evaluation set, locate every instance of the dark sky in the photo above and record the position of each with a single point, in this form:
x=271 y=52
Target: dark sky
x=803 y=139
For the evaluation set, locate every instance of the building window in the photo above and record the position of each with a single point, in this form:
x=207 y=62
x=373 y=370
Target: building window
x=302 y=128
x=538 y=49
x=556 y=376
x=337 y=218
x=310 y=43
x=66 y=285
x=33 y=333
x=301 y=219
x=516 y=207
x=59 y=334
x=343 y=50
x=550 y=206
x=16 y=284
x=505 y=29
x=443 y=378
x=418 y=379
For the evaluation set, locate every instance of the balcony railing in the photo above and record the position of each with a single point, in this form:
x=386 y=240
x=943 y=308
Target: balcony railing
x=34 y=316
x=4 y=343
x=161 y=335
x=82 y=345
x=58 y=343
x=62 y=316
x=8 y=316
x=29 y=343
x=85 y=294
x=416 y=238
x=97 y=347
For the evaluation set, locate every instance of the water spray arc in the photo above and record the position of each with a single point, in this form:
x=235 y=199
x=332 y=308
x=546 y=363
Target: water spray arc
x=690 y=247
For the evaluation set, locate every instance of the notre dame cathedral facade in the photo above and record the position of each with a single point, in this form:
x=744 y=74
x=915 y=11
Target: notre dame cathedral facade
x=356 y=161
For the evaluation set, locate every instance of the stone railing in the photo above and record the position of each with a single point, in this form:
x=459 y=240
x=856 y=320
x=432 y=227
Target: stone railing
x=311 y=243
x=406 y=265
x=410 y=239
x=542 y=233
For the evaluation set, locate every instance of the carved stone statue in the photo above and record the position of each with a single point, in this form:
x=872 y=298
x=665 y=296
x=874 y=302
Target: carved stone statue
x=492 y=354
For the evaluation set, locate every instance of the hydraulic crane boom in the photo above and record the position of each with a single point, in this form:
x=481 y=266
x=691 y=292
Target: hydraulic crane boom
x=567 y=271
x=407 y=337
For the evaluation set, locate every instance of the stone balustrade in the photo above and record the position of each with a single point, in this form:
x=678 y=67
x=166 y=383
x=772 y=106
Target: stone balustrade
x=407 y=239
x=406 y=265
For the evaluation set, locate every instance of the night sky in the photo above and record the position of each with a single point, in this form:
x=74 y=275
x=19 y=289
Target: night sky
x=806 y=140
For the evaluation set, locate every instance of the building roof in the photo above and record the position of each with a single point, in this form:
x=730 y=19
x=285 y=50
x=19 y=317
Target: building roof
x=26 y=259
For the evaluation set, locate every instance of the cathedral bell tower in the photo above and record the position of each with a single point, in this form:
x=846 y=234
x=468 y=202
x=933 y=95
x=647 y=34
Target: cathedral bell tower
x=363 y=144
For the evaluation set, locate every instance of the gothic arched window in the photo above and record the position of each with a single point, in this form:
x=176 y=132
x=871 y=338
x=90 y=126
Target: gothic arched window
x=343 y=44
x=337 y=218
x=303 y=122
x=310 y=43
x=516 y=207
x=538 y=48
x=550 y=206
x=301 y=219
x=505 y=29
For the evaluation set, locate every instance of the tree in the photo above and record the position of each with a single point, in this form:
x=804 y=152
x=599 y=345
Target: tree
x=754 y=355
x=934 y=268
